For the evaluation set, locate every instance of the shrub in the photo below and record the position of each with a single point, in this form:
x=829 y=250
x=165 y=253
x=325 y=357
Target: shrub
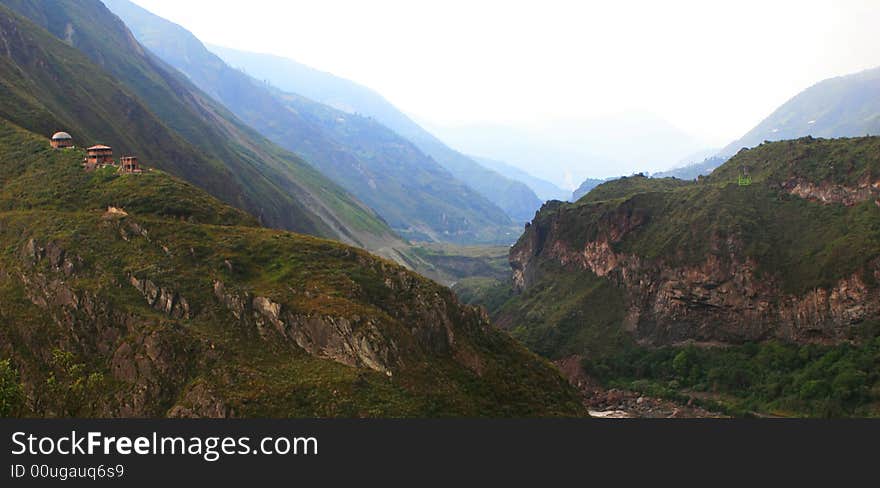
x=11 y=392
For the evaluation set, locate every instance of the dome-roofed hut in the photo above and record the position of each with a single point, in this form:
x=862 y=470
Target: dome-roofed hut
x=61 y=140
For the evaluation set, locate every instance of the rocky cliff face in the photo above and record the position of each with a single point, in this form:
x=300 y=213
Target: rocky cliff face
x=720 y=299
x=727 y=289
x=828 y=193
x=169 y=347
x=154 y=362
x=138 y=295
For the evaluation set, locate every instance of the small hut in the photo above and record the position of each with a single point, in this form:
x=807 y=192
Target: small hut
x=61 y=140
x=129 y=164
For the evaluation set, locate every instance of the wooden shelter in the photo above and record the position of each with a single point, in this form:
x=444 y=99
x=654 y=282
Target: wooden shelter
x=61 y=140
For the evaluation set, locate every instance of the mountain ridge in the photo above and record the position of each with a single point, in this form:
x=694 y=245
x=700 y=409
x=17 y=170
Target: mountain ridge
x=139 y=295
x=415 y=195
x=714 y=261
x=163 y=118
x=843 y=106
x=516 y=198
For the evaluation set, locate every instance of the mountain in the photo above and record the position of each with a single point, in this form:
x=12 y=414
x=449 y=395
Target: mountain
x=716 y=261
x=139 y=295
x=846 y=106
x=585 y=188
x=75 y=66
x=641 y=270
x=515 y=198
x=542 y=188
x=692 y=171
x=568 y=151
x=415 y=195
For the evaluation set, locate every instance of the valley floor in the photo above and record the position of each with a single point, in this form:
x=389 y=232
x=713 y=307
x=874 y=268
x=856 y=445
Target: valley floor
x=603 y=402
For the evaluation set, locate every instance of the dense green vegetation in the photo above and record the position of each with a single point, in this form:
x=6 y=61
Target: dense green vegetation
x=770 y=378
x=574 y=313
x=70 y=390
x=451 y=264
x=795 y=244
x=11 y=391
x=40 y=177
x=843 y=161
x=628 y=186
x=84 y=341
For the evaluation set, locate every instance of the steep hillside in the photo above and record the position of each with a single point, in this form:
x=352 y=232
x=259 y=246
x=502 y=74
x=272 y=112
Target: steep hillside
x=419 y=198
x=642 y=279
x=110 y=90
x=415 y=195
x=516 y=198
x=510 y=194
x=846 y=106
x=794 y=256
x=174 y=304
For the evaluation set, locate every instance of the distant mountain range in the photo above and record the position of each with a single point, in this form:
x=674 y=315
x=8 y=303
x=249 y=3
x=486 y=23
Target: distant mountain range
x=692 y=171
x=419 y=198
x=543 y=188
x=75 y=66
x=510 y=194
x=566 y=152
x=585 y=188
x=846 y=106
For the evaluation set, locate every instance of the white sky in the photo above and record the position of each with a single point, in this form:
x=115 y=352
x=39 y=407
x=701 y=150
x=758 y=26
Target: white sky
x=712 y=68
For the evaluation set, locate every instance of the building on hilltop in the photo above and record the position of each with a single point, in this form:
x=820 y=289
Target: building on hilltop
x=129 y=164
x=61 y=140
x=99 y=155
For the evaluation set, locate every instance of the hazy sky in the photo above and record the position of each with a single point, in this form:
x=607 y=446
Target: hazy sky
x=712 y=68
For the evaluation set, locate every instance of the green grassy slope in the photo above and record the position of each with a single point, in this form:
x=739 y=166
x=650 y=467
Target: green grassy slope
x=115 y=92
x=628 y=186
x=86 y=342
x=34 y=178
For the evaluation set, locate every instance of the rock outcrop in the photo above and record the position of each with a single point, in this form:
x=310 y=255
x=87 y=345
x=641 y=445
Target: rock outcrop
x=355 y=341
x=712 y=288
x=153 y=361
x=830 y=193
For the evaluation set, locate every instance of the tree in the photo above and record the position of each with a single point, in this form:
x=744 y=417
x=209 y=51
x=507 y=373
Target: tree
x=11 y=391
x=70 y=388
x=682 y=362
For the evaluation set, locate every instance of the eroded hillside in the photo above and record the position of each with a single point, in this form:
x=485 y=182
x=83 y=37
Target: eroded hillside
x=795 y=255
x=139 y=295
